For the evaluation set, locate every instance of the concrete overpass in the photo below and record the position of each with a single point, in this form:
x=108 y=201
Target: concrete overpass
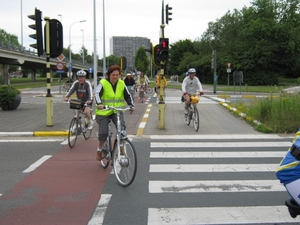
x=12 y=55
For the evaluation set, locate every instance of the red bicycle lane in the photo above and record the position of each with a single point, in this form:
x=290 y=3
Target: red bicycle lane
x=66 y=188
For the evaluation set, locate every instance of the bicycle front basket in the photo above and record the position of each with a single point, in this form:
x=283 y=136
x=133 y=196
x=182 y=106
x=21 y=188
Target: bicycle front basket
x=75 y=104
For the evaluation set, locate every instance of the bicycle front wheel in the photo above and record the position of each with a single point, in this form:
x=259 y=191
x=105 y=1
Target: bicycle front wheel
x=196 y=119
x=73 y=132
x=125 y=163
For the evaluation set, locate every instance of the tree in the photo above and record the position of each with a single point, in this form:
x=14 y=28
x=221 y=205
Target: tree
x=141 y=61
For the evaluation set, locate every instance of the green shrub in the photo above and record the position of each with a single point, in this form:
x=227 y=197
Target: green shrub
x=7 y=95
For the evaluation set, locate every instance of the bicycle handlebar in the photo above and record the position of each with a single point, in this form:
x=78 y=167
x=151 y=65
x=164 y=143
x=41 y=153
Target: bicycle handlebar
x=106 y=107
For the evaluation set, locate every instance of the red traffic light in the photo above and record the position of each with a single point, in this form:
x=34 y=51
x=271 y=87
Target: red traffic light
x=164 y=44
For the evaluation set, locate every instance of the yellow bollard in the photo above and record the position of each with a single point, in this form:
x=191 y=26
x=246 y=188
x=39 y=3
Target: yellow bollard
x=161 y=115
x=49 y=111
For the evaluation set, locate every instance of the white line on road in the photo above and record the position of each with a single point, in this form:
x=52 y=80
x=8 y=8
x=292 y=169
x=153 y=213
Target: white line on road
x=196 y=168
x=218 y=144
x=220 y=215
x=266 y=154
x=180 y=186
x=98 y=216
x=35 y=165
x=217 y=136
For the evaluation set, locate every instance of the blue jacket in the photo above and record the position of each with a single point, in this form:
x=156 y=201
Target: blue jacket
x=289 y=168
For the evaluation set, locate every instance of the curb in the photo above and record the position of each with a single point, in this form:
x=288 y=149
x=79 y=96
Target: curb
x=34 y=134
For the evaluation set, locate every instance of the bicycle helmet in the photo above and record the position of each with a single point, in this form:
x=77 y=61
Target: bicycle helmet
x=81 y=73
x=191 y=70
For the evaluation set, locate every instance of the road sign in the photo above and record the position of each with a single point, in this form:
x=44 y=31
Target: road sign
x=60 y=66
x=60 y=71
x=90 y=70
x=70 y=66
x=60 y=58
x=228 y=70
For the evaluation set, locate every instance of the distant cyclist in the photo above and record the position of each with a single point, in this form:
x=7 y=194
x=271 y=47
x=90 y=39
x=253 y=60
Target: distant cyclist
x=84 y=92
x=190 y=85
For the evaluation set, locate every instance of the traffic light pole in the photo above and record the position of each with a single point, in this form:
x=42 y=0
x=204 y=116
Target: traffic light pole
x=49 y=98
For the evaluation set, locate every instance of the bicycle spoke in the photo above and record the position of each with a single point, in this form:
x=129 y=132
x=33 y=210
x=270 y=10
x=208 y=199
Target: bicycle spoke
x=196 y=119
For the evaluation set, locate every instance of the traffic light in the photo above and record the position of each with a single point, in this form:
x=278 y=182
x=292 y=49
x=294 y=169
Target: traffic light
x=168 y=13
x=164 y=49
x=155 y=55
x=123 y=62
x=56 y=38
x=38 y=36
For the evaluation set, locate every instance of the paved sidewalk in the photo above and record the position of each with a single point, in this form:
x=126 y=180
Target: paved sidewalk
x=30 y=118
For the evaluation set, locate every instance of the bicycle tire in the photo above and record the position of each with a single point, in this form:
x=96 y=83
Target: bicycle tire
x=88 y=132
x=105 y=161
x=125 y=167
x=187 y=117
x=196 y=118
x=142 y=95
x=149 y=90
x=73 y=132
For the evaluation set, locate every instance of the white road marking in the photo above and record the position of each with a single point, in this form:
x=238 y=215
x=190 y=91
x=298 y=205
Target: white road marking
x=218 y=144
x=34 y=140
x=196 y=168
x=99 y=213
x=220 y=215
x=35 y=165
x=217 y=137
x=201 y=154
x=180 y=186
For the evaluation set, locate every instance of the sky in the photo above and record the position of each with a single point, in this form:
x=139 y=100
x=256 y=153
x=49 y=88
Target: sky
x=133 y=18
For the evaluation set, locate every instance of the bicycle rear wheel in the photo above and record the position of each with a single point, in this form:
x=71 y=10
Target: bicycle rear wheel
x=142 y=95
x=73 y=132
x=196 y=119
x=106 y=148
x=149 y=90
x=125 y=165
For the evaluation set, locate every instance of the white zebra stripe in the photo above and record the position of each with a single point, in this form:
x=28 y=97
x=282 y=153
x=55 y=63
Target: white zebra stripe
x=196 y=168
x=180 y=186
x=220 y=215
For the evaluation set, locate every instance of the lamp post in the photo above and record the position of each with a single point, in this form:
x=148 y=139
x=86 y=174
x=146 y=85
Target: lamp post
x=70 y=55
x=60 y=17
x=22 y=24
x=82 y=46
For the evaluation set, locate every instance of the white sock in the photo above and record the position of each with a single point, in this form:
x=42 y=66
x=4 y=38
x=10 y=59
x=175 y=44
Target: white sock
x=99 y=149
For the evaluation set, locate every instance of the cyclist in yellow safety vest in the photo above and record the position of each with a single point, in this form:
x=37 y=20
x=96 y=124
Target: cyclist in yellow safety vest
x=111 y=91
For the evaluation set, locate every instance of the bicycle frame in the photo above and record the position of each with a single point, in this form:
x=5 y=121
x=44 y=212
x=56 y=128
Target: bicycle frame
x=122 y=152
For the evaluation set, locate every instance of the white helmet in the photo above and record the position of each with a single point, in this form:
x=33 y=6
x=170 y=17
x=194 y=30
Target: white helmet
x=81 y=73
x=192 y=70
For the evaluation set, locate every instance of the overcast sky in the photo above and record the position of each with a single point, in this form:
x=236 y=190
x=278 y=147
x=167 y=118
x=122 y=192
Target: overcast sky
x=137 y=18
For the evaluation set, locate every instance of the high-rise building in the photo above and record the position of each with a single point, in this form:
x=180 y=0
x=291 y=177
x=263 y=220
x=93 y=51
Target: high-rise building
x=127 y=46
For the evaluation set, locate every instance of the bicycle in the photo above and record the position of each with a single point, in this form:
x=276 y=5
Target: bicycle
x=142 y=93
x=122 y=153
x=79 y=123
x=193 y=113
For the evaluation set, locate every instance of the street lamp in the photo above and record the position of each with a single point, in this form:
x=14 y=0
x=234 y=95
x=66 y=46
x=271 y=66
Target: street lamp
x=60 y=17
x=70 y=55
x=82 y=46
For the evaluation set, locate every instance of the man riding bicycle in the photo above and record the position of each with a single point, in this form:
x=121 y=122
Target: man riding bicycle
x=84 y=92
x=141 y=82
x=190 y=85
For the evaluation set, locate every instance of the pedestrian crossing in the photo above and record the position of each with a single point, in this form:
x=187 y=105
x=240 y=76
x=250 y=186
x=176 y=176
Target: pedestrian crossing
x=236 y=172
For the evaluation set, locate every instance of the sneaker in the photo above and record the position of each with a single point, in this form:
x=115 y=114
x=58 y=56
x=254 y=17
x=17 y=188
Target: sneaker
x=185 y=111
x=139 y=98
x=90 y=125
x=99 y=156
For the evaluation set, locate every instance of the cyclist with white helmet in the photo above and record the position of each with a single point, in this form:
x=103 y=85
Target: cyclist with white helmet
x=84 y=92
x=190 y=85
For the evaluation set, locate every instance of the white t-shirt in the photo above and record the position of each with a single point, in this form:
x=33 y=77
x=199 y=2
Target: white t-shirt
x=191 y=86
